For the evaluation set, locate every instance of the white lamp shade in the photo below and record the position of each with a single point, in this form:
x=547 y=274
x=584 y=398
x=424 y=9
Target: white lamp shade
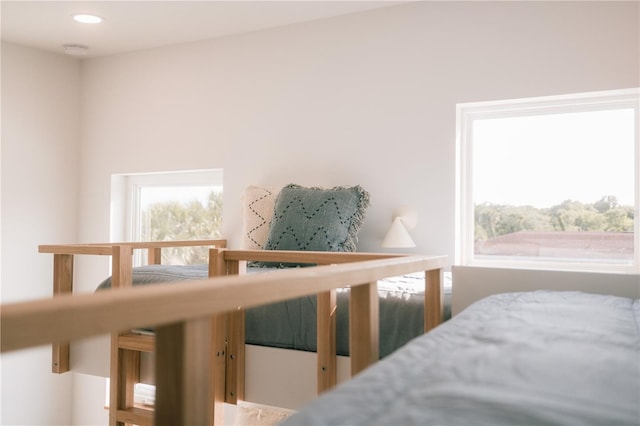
x=398 y=236
x=409 y=216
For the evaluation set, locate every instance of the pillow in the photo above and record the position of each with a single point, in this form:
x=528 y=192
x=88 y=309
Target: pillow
x=317 y=219
x=258 y=204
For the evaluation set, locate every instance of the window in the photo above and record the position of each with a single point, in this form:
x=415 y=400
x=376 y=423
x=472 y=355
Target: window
x=168 y=206
x=550 y=182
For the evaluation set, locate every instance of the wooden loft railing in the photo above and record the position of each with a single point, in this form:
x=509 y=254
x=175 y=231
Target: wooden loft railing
x=186 y=333
x=326 y=319
x=121 y=266
x=126 y=347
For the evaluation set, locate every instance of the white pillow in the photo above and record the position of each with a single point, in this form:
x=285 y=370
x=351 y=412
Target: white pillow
x=258 y=205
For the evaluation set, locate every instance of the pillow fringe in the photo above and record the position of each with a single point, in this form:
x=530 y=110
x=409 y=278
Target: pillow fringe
x=358 y=218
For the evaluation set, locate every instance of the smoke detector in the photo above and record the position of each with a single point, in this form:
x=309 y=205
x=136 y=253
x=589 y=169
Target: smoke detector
x=75 y=49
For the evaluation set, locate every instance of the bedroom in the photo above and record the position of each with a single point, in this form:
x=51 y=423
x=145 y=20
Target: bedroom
x=369 y=96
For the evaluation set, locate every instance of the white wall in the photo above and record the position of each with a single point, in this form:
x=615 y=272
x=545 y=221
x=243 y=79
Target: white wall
x=40 y=151
x=367 y=98
x=363 y=99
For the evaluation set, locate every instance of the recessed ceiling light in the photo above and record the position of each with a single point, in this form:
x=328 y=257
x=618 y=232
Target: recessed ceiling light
x=87 y=19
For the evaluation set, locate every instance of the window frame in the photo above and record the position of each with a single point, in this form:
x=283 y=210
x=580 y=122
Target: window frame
x=125 y=197
x=467 y=113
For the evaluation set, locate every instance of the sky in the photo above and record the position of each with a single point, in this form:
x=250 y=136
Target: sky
x=544 y=160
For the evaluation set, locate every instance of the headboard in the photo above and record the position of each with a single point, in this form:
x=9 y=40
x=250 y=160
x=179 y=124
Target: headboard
x=474 y=283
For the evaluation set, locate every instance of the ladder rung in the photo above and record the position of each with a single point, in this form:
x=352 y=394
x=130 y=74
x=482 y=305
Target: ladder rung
x=135 y=415
x=137 y=342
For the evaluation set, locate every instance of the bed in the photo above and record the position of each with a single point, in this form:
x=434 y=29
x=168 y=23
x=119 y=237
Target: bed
x=274 y=334
x=291 y=324
x=526 y=358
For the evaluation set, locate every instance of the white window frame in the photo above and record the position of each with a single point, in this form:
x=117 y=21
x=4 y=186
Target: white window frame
x=125 y=196
x=466 y=113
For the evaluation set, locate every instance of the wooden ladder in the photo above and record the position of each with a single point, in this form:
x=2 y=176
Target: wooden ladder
x=126 y=347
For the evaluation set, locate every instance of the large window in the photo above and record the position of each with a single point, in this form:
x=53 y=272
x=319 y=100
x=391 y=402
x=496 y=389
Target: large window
x=550 y=182
x=168 y=206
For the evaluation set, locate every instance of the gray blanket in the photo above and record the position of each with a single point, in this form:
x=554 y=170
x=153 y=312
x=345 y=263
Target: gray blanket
x=535 y=358
x=292 y=324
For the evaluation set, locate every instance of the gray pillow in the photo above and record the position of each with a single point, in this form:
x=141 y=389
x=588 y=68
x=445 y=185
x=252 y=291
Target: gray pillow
x=317 y=219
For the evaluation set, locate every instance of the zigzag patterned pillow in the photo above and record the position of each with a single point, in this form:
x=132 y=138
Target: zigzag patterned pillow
x=258 y=203
x=317 y=219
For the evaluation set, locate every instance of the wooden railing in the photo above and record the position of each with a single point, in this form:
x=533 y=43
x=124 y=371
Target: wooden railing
x=121 y=266
x=185 y=332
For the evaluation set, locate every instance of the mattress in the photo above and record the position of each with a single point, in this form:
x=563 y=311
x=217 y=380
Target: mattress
x=291 y=324
x=534 y=358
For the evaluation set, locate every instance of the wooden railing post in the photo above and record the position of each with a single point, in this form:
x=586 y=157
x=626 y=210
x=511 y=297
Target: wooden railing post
x=125 y=363
x=218 y=267
x=62 y=284
x=364 y=346
x=125 y=372
x=121 y=266
x=236 y=336
x=433 y=299
x=183 y=374
x=326 y=340
x=154 y=255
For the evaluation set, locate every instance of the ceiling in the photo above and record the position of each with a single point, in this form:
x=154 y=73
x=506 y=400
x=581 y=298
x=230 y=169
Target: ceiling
x=134 y=25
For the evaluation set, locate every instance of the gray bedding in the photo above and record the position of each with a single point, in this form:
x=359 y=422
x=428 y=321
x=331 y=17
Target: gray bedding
x=292 y=324
x=535 y=358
